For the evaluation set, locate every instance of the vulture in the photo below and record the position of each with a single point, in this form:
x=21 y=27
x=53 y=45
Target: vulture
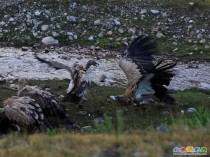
x=22 y=112
x=47 y=102
x=79 y=79
x=147 y=81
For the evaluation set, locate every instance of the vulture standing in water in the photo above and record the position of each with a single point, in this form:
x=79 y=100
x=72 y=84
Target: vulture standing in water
x=146 y=81
x=49 y=105
x=19 y=112
x=79 y=79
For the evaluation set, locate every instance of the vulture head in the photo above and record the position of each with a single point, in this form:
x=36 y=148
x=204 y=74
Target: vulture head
x=89 y=63
x=21 y=83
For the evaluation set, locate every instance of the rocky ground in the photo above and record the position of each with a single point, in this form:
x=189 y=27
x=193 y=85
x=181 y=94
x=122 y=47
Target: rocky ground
x=16 y=63
x=181 y=28
x=101 y=30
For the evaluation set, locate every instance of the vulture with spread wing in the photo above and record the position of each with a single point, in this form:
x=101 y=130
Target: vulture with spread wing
x=47 y=102
x=147 y=82
x=25 y=112
x=79 y=79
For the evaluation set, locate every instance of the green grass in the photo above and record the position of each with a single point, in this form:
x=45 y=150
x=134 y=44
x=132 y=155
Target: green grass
x=126 y=130
x=99 y=104
x=147 y=142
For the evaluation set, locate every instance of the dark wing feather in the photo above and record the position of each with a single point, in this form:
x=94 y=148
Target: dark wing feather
x=142 y=48
x=145 y=78
x=161 y=79
x=77 y=93
x=82 y=88
x=55 y=65
x=137 y=59
x=50 y=106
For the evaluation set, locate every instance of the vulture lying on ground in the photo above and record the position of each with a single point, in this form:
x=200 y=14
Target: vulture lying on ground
x=49 y=105
x=147 y=82
x=22 y=112
x=79 y=79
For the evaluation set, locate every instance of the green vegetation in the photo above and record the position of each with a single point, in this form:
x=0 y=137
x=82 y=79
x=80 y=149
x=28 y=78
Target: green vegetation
x=126 y=130
x=123 y=117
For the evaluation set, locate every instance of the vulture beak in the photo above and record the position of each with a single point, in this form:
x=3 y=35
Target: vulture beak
x=96 y=64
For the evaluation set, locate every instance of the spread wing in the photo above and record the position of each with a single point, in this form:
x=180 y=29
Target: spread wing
x=137 y=59
x=144 y=77
x=56 y=65
x=155 y=83
x=23 y=110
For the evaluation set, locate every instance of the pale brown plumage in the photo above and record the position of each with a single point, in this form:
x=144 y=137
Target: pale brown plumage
x=24 y=111
x=79 y=80
x=146 y=81
x=47 y=102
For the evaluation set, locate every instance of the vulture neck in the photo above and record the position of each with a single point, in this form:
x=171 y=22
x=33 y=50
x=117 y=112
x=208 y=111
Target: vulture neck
x=21 y=85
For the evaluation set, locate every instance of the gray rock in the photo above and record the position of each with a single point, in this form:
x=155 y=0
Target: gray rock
x=73 y=5
x=191 y=110
x=70 y=33
x=49 y=41
x=13 y=86
x=109 y=32
x=11 y=19
x=83 y=20
x=205 y=85
x=190 y=26
x=37 y=13
x=98 y=120
x=75 y=37
x=101 y=34
x=162 y=128
x=44 y=27
x=47 y=12
x=159 y=35
x=92 y=47
x=199 y=36
x=72 y=18
x=82 y=112
x=154 y=11
x=131 y=31
x=97 y=22
x=35 y=34
x=191 y=21
x=143 y=11
x=202 y=41
x=117 y=22
x=24 y=48
x=91 y=38
x=97 y=48
x=55 y=34
x=120 y=30
x=2 y=23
